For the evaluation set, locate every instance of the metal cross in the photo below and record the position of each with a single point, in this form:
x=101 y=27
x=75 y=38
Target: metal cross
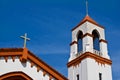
x=25 y=39
x=86 y=7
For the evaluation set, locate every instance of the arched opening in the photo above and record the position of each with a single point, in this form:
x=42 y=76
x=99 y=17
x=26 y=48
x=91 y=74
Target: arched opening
x=96 y=45
x=79 y=39
x=15 y=76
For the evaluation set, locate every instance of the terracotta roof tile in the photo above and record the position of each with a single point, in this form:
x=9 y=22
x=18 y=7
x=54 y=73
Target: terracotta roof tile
x=11 y=49
x=89 y=19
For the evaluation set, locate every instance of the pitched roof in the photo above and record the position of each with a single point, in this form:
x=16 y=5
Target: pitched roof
x=89 y=19
x=25 y=55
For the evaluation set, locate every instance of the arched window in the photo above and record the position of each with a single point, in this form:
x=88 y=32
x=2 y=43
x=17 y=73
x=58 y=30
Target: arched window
x=15 y=76
x=96 y=45
x=80 y=34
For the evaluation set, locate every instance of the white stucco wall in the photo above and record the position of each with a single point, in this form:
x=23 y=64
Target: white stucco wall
x=89 y=69
x=80 y=69
x=10 y=66
x=94 y=68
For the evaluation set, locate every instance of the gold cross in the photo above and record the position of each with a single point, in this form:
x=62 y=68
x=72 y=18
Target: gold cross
x=25 y=39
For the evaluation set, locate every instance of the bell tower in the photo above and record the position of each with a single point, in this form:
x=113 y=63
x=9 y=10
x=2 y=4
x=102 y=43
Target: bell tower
x=89 y=59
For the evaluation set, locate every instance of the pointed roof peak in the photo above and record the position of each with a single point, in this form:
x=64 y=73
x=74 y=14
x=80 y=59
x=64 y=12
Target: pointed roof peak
x=89 y=19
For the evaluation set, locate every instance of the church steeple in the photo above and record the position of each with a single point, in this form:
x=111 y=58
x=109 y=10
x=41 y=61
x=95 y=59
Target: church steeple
x=89 y=32
x=89 y=59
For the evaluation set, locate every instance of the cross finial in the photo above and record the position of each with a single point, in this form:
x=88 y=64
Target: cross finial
x=25 y=39
x=86 y=7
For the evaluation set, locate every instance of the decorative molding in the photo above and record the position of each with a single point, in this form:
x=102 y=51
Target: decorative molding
x=50 y=77
x=87 y=34
x=32 y=64
x=11 y=50
x=24 y=55
x=97 y=58
x=10 y=53
x=45 y=67
x=6 y=58
x=13 y=58
x=33 y=60
x=44 y=73
x=14 y=76
x=102 y=40
x=38 y=68
x=74 y=42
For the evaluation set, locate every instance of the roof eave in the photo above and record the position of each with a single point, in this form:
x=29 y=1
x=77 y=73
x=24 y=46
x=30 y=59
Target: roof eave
x=86 y=21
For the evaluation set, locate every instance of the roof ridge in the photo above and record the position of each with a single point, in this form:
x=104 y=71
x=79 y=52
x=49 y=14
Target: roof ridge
x=89 y=19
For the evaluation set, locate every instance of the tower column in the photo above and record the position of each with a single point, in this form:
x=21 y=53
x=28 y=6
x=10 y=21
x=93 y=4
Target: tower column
x=73 y=50
x=87 y=43
x=103 y=49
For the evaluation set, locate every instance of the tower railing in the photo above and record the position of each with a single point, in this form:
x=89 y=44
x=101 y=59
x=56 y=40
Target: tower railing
x=79 y=53
x=97 y=52
x=94 y=51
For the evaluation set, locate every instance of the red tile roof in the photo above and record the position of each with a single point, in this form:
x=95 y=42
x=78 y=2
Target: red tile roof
x=89 y=19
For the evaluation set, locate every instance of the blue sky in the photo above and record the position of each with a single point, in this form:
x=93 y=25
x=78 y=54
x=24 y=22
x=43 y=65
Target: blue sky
x=49 y=22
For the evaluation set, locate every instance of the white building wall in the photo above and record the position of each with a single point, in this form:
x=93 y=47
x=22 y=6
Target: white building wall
x=26 y=68
x=83 y=70
x=94 y=68
x=70 y=73
x=89 y=69
x=80 y=69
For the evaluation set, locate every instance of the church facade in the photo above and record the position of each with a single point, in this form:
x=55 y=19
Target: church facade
x=89 y=59
x=21 y=64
